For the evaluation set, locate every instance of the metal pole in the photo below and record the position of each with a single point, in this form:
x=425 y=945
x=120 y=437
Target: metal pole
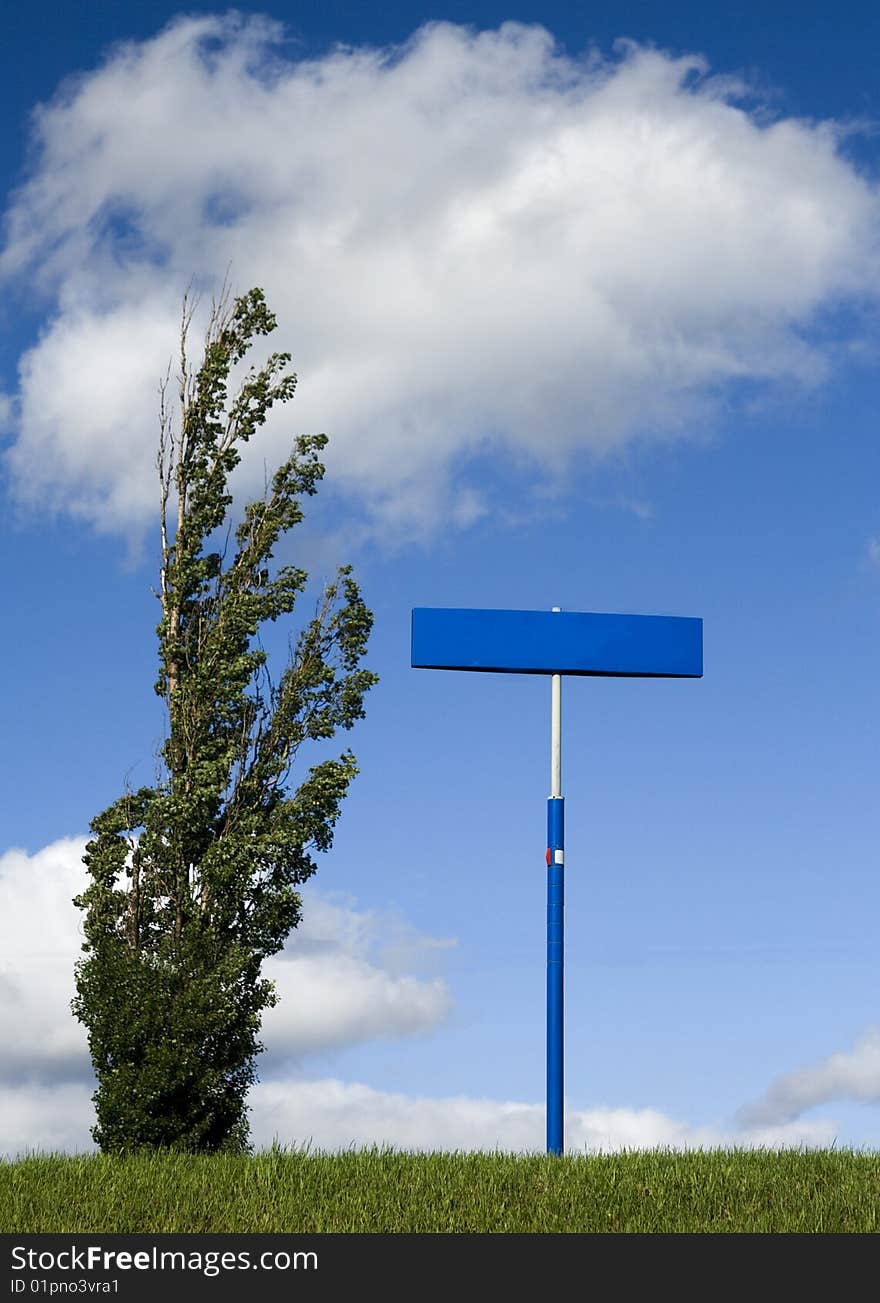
x=555 y=931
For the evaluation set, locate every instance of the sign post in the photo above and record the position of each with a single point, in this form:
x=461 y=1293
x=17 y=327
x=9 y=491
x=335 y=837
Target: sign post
x=555 y=643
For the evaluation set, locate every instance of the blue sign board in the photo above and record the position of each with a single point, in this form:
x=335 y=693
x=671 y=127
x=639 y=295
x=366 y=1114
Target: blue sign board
x=557 y=642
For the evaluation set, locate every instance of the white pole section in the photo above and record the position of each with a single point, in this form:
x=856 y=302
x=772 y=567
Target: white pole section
x=556 y=734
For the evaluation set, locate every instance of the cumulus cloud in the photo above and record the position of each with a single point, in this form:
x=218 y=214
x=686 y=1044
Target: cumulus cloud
x=46 y=1118
x=345 y=976
x=475 y=244
x=338 y=988
x=852 y=1075
x=40 y=939
x=333 y=1114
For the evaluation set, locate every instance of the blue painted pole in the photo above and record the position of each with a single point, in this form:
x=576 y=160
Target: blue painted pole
x=555 y=942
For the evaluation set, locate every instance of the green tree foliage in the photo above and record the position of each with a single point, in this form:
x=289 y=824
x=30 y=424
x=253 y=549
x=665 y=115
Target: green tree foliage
x=193 y=881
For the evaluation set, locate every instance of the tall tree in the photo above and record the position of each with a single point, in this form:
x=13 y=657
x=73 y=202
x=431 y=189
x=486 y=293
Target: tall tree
x=193 y=881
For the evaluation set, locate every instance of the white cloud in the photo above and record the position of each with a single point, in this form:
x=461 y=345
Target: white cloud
x=338 y=988
x=472 y=242
x=50 y=1118
x=331 y=1114
x=40 y=940
x=337 y=985
x=853 y=1075
x=874 y=550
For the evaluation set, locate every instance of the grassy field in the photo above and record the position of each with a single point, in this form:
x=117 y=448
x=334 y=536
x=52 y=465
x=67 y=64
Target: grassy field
x=806 y=1191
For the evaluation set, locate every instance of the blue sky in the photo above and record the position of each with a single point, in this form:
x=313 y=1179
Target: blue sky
x=590 y=324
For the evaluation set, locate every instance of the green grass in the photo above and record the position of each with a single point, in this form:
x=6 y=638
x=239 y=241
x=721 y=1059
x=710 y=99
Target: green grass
x=808 y=1191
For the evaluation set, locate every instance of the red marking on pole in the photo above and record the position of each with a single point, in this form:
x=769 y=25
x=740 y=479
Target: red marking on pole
x=549 y=858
